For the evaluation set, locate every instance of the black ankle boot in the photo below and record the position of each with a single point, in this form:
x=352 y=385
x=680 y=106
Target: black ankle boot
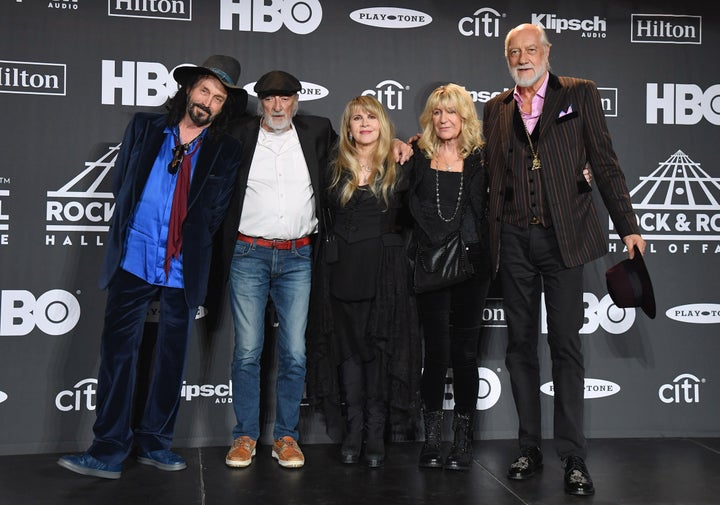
x=375 y=452
x=351 y=446
x=460 y=456
x=430 y=452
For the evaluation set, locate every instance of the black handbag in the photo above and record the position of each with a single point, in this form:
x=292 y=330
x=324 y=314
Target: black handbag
x=441 y=265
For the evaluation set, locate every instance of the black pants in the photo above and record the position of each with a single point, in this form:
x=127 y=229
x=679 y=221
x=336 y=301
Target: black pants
x=451 y=320
x=530 y=263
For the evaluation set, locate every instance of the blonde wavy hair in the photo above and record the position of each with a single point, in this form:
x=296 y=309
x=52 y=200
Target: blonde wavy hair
x=451 y=97
x=346 y=170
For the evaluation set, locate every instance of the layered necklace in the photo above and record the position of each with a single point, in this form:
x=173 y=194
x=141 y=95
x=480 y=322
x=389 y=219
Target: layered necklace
x=437 y=192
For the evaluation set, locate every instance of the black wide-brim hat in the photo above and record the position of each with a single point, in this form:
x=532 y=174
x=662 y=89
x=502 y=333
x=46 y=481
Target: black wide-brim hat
x=225 y=68
x=629 y=284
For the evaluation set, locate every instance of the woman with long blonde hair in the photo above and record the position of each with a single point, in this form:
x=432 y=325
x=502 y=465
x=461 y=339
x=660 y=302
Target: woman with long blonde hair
x=369 y=346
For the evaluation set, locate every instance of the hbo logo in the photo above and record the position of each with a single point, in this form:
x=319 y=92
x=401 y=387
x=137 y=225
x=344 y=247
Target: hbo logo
x=55 y=313
x=300 y=16
x=600 y=313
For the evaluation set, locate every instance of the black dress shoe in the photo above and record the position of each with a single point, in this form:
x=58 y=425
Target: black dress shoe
x=350 y=448
x=577 y=477
x=529 y=462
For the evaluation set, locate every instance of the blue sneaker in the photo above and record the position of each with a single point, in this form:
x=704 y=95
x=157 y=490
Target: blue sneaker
x=85 y=464
x=163 y=459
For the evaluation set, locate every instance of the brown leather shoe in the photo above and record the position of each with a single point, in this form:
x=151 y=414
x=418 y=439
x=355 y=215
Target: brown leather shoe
x=288 y=453
x=241 y=452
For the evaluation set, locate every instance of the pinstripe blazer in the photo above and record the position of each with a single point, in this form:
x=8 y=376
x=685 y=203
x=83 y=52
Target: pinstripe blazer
x=565 y=143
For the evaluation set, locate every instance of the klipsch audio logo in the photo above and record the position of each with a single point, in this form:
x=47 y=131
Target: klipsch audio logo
x=218 y=393
x=308 y=92
x=55 y=312
x=31 y=78
x=589 y=28
x=594 y=388
x=698 y=313
x=677 y=203
x=175 y=10
x=389 y=93
x=299 y=16
x=665 y=29
x=390 y=17
x=682 y=104
x=484 y=22
x=79 y=212
x=63 y=5
x=685 y=388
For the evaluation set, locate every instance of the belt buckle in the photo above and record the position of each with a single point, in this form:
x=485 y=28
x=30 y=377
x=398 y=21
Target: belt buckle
x=534 y=220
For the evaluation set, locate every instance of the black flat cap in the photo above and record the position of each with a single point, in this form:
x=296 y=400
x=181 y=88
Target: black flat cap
x=277 y=82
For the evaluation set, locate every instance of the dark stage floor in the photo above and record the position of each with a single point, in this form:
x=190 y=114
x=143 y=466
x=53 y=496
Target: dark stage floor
x=625 y=471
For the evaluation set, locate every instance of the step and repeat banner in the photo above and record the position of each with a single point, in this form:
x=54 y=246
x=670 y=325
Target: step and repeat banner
x=73 y=72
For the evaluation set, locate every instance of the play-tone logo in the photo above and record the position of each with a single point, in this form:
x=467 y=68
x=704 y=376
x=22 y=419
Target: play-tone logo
x=685 y=388
x=390 y=17
x=299 y=16
x=678 y=203
x=79 y=212
x=698 y=313
x=665 y=29
x=308 y=92
x=593 y=388
x=173 y=10
x=32 y=78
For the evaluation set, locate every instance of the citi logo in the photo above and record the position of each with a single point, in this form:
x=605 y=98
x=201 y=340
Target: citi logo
x=489 y=390
x=593 y=388
x=685 y=388
x=55 y=312
x=79 y=212
x=3 y=396
x=608 y=100
x=389 y=93
x=30 y=78
x=698 y=313
x=682 y=104
x=390 y=17
x=308 y=92
x=484 y=22
x=141 y=83
x=299 y=16
x=599 y=313
x=665 y=29
x=175 y=10
x=81 y=397
x=591 y=28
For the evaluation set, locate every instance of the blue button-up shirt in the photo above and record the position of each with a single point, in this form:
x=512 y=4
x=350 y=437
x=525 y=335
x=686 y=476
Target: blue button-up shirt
x=146 y=240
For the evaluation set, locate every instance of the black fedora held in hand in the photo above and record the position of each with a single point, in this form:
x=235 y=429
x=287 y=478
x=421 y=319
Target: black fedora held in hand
x=225 y=68
x=629 y=285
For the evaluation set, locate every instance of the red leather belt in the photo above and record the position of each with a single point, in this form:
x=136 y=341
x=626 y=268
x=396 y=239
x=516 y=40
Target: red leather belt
x=274 y=244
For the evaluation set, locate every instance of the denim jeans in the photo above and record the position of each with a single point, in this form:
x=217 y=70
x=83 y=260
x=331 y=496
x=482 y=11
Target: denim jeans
x=284 y=275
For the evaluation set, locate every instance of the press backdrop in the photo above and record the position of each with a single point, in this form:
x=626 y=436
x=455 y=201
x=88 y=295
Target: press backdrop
x=73 y=72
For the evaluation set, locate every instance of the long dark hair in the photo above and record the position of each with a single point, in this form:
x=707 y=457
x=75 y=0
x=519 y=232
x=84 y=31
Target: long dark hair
x=177 y=106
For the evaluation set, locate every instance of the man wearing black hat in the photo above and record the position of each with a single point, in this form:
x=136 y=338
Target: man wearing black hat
x=266 y=251
x=172 y=181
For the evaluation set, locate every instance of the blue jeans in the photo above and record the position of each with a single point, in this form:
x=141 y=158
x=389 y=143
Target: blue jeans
x=284 y=275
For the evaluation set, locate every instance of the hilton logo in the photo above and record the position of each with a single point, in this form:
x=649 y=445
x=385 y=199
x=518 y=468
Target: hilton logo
x=30 y=78
x=666 y=29
x=176 y=10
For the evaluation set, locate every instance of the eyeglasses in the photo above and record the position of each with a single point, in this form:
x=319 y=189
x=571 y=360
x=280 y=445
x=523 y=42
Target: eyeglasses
x=178 y=153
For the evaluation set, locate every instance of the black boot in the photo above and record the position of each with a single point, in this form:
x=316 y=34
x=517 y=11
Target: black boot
x=352 y=444
x=430 y=452
x=460 y=456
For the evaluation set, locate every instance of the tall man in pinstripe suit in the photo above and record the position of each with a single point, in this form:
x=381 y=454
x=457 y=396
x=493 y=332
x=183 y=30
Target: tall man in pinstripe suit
x=543 y=229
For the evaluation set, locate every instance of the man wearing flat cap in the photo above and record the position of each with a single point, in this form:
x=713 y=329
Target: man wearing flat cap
x=172 y=182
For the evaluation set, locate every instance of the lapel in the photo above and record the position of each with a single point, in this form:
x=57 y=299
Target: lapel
x=554 y=100
x=209 y=152
x=507 y=109
x=153 y=138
